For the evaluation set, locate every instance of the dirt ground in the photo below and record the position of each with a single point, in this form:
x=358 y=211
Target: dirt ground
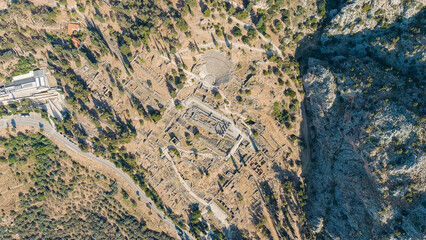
x=13 y=184
x=233 y=181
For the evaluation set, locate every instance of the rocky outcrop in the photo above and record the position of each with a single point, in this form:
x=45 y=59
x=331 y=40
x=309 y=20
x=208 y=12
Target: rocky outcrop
x=395 y=37
x=366 y=113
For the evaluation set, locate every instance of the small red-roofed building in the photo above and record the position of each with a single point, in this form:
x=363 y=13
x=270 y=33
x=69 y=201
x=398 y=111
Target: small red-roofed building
x=76 y=42
x=73 y=27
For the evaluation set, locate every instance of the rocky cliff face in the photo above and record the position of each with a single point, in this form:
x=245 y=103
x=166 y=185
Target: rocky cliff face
x=365 y=104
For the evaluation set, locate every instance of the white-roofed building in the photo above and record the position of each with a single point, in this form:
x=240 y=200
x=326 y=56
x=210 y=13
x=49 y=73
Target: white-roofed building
x=34 y=86
x=25 y=86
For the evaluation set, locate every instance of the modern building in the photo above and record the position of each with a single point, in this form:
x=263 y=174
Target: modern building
x=34 y=86
x=25 y=86
x=76 y=42
x=73 y=27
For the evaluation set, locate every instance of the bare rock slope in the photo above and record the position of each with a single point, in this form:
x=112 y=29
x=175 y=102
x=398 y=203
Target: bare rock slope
x=365 y=104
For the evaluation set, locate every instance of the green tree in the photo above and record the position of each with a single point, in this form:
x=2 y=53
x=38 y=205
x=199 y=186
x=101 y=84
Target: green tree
x=207 y=12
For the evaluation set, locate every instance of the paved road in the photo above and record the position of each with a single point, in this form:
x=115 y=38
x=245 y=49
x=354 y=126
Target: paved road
x=37 y=122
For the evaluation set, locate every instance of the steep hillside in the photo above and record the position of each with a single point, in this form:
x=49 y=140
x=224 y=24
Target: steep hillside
x=47 y=194
x=129 y=72
x=365 y=102
x=277 y=119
